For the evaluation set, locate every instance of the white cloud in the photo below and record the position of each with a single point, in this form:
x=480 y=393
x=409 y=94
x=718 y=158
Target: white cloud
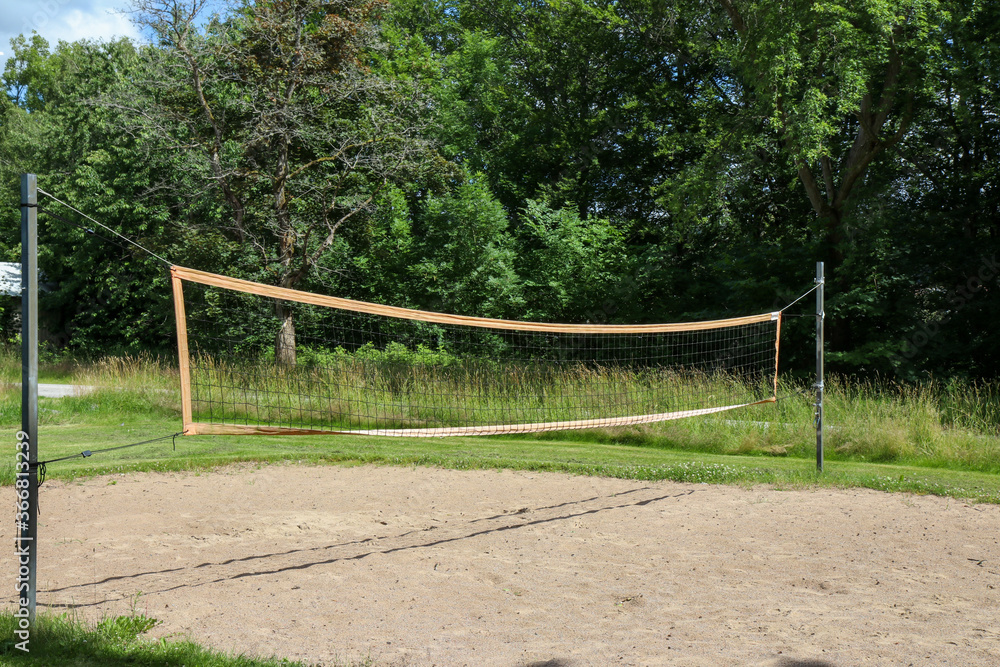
x=68 y=20
x=102 y=24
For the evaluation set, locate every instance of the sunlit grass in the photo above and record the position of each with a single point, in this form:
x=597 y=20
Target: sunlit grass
x=865 y=421
x=583 y=456
x=942 y=426
x=114 y=641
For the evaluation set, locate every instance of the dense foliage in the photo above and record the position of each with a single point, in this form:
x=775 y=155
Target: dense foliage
x=574 y=160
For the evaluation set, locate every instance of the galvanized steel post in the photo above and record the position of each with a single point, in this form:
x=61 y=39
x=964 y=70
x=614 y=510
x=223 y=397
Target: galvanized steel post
x=26 y=465
x=820 y=317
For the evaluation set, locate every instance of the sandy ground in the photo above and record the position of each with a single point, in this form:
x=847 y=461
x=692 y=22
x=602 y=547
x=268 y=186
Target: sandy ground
x=419 y=566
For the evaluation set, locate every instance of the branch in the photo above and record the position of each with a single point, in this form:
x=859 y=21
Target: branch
x=734 y=15
x=336 y=226
x=827 y=177
x=180 y=27
x=329 y=158
x=869 y=143
x=812 y=188
x=805 y=174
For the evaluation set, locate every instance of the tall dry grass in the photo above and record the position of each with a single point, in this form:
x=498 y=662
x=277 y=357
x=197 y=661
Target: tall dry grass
x=368 y=391
x=126 y=388
x=952 y=424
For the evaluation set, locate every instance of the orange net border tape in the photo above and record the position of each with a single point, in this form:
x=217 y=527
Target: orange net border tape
x=286 y=294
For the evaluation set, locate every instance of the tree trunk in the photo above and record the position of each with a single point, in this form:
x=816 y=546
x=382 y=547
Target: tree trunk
x=284 y=341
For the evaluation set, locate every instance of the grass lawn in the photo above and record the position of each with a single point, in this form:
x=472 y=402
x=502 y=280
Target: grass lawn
x=112 y=642
x=561 y=453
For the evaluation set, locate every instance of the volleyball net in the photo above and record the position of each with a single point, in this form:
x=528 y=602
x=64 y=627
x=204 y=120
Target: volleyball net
x=259 y=359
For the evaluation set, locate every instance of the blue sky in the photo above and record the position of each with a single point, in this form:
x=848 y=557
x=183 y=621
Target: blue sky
x=68 y=20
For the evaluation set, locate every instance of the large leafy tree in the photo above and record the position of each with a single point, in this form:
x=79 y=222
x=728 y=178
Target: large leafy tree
x=466 y=256
x=104 y=295
x=561 y=101
x=837 y=81
x=940 y=210
x=563 y=107
x=818 y=93
x=833 y=86
x=276 y=105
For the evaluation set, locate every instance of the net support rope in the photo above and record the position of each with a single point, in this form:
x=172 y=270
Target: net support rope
x=99 y=224
x=87 y=453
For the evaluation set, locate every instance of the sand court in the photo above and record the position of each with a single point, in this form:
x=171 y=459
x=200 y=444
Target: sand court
x=424 y=566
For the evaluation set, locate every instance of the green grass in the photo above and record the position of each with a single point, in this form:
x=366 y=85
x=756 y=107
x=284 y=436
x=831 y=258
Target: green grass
x=516 y=453
x=112 y=642
x=930 y=438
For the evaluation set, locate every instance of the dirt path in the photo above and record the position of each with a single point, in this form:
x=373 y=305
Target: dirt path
x=420 y=566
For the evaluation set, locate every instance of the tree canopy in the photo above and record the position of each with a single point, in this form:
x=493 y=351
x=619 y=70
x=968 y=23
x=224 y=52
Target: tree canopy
x=572 y=160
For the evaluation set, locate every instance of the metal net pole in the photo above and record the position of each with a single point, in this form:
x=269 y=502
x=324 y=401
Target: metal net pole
x=820 y=317
x=26 y=466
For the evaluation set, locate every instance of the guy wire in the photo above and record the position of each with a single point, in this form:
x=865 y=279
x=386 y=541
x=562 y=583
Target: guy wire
x=103 y=226
x=814 y=288
x=87 y=230
x=88 y=453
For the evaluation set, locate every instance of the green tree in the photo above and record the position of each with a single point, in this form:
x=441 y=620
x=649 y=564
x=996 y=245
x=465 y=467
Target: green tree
x=837 y=81
x=939 y=213
x=467 y=259
x=382 y=249
x=817 y=92
x=105 y=295
x=569 y=265
x=276 y=105
x=568 y=101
